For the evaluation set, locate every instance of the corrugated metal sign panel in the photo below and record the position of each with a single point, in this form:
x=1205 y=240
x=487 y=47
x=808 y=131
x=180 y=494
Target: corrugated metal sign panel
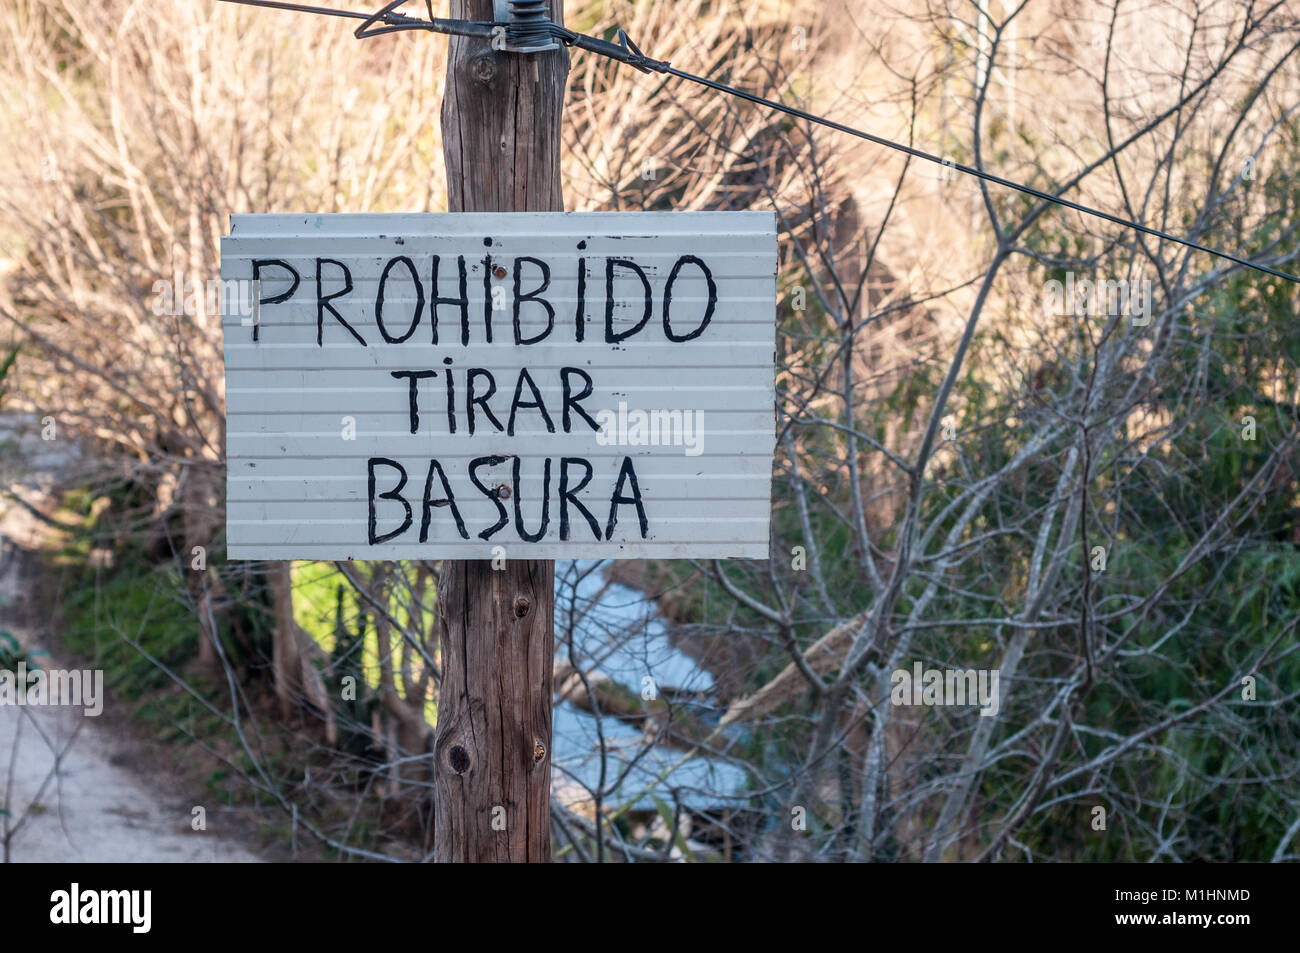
x=559 y=385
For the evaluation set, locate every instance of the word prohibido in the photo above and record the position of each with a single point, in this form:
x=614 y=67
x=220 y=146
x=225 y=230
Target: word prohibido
x=443 y=295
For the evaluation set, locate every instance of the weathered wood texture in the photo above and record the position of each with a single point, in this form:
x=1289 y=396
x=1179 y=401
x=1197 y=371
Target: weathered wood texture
x=501 y=141
x=501 y=116
x=494 y=712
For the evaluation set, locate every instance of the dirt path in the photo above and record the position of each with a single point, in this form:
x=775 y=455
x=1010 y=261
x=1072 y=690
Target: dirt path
x=90 y=809
x=73 y=790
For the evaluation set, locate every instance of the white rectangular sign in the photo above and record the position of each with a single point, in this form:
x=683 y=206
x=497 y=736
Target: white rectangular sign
x=560 y=385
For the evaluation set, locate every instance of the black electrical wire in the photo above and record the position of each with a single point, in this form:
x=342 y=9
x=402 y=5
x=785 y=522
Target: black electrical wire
x=979 y=173
x=299 y=8
x=625 y=51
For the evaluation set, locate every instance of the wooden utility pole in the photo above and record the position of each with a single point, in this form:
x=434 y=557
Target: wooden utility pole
x=492 y=785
